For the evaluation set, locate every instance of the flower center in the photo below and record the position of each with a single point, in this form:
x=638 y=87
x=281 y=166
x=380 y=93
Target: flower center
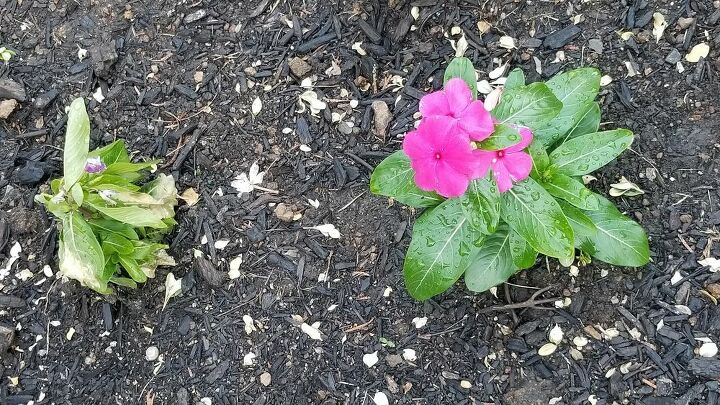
x=438 y=156
x=500 y=153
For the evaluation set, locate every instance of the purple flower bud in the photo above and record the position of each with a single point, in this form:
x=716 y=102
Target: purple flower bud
x=94 y=165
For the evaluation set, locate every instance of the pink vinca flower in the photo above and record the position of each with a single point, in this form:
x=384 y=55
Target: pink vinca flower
x=508 y=165
x=456 y=101
x=441 y=156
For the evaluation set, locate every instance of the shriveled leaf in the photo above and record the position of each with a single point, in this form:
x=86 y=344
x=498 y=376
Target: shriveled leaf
x=80 y=254
x=190 y=196
x=173 y=288
x=328 y=230
x=625 y=187
x=395 y=178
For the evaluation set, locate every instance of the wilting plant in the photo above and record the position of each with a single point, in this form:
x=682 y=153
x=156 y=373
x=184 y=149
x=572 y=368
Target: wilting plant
x=501 y=186
x=110 y=225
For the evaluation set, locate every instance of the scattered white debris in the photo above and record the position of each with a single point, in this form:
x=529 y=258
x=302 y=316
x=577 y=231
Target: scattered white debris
x=314 y=203
x=388 y=290
x=190 y=196
x=309 y=99
x=555 y=335
x=173 y=287
x=711 y=262
x=409 y=355
x=676 y=277
x=465 y=384
x=357 y=47
x=221 y=244
x=370 y=359
x=625 y=368
x=574 y=271
x=152 y=353
x=610 y=372
x=265 y=378
x=47 y=271
x=24 y=274
x=659 y=25
x=98 y=95
x=708 y=349
x=698 y=51
x=631 y=69
x=256 y=106
x=15 y=251
x=492 y=99
x=332 y=307
x=206 y=401
x=592 y=399
x=498 y=71
x=610 y=333
x=605 y=80
x=580 y=341
x=419 y=322
x=682 y=310
x=547 y=349
x=626 y=188
x=380 y=398
x=311 y=330
x=626 y=35
x=415 y=12
x=234 y=266
x=249 y=359
x=81 y=53
x=328 y=230
x=70 y=333
x=245 y=183
x=249 y=324
x=507 y=42
x=555 y=400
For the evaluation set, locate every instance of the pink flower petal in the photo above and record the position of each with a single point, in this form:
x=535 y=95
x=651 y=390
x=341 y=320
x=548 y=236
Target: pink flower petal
x=435 y=103
x=453 y=184
x=526 y=137
x=483 y=161
x=458 y=94
x=502 y=177
x=425 y=174
x=518 y=164
x=417 y=146
x=476 y=121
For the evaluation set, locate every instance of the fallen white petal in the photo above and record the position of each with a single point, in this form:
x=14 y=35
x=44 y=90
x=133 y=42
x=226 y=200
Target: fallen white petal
x=311 y=331
x=173 y=287
x=380 y=398
x=698 y=51
x=370 y=359
x=708 y=349
x=659 y=25
x=409 y=355
x=328 y=230
x=221 y=244
x=249 y=359
x=256 y=106
x=547 y=349
x=249 y=324
x=419 y=322
x=555 y=335
x=711 y=262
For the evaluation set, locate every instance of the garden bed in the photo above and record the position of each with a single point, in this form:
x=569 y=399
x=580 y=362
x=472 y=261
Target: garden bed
x=178 y=82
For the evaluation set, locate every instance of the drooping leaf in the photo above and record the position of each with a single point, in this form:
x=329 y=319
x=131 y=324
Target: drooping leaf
x=77 y=143
x=394 y=178
x=80 y=255
x=77 y=194
x=503 y=137
x=124 y=282
x=523 y=255
x=516 y=78
x=493 y=264
x=481 y=203
x=462 y=68
x=584 y=229
x=576 y=90
x=534 y=214
x=571 y=190
x=589 y=123
x=131 y=215
x=619 y=240
x=115 y=152
x=132 y=268
x=532 y=106
x=114 y=243
x=110 y=226
x=590 y=152
x=442 y=247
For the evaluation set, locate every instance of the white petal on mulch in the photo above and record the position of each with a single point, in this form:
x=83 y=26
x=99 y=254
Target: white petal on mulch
x=98 y=95
x=190 y=196
x=698 y=51
x=387 y=292
x=311 y=330
x=328 y=230
x=555 y=400
x=605 y=80
x=314 y=203
x=708 y=349
x=547 y=349
x=580 y=341
x=507 y=42
x=256 y=106
x=659 y=25
x=711 y=262
x=173 y=288
x=682 y=310
x=555 y=335
x=492 y=99
x=498 y=71
x=409 y=355
x=380 y=398
x=249 y=359
x=81 y=53
x=24 y=274
x=357 y=47
x=70 y=333
x=625 y=187
x=676 y=278
x=249 y=324
x=419 y=322
x=465 y=384
x=370 y=359
x=234 y=271
x=221 y=244
x=265 y=378
x=152 y=353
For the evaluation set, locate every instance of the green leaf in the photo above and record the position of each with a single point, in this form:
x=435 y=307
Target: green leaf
x=584 y=229
x=77 y=143
x=114 y=243
x=111 y=226
x=103 y=181
x=463 y=68
x=77 y=194
x=481 y=204
x=619 y=240
x=590 y=152
x=133 y=269
x=124 y=282
x=532 y=106
x=123 y=168
x=540 y=159
x=571 y=190
x=442 y=247
x=536 y=216
x=493 y=264
x=523 y=255
x=589 y=123
x=503 y=137
x=516 y=78
x=80 y=255
x=131 y=215
x=115 y=152
x=576 y=90
x=394 y=177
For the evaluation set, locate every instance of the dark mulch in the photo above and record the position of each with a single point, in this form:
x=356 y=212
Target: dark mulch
x=145 y=55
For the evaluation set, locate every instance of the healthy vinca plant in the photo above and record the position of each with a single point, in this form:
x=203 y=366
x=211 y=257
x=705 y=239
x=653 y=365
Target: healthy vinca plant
x=500 y=187
x=110 y=225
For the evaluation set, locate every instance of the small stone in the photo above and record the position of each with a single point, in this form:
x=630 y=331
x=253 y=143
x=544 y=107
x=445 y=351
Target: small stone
x=11 y=89
x=344 y=128
x=560 y=38
x=685 y=22
x=265 y=378
x=393 y=360
x=6 y=337
x=196 y=15
x=208 y=272
x=103 y=57
x=382 y=118
x=673 y=57
x=299 y=67
x=7 y=107
x=530 y=42
x=284 y=212
x=44 y=100
x=152 y=353
x=596 y=45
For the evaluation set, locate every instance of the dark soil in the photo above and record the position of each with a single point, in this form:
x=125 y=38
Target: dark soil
x=145 y=55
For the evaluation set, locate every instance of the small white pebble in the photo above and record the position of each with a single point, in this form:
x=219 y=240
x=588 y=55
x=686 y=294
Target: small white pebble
x=370 y=359
x=152 y=353
x=708 y=349
x=70 y=333
x=409 y=355
x=419 y=322
x=466 y=384
x=47 y=271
